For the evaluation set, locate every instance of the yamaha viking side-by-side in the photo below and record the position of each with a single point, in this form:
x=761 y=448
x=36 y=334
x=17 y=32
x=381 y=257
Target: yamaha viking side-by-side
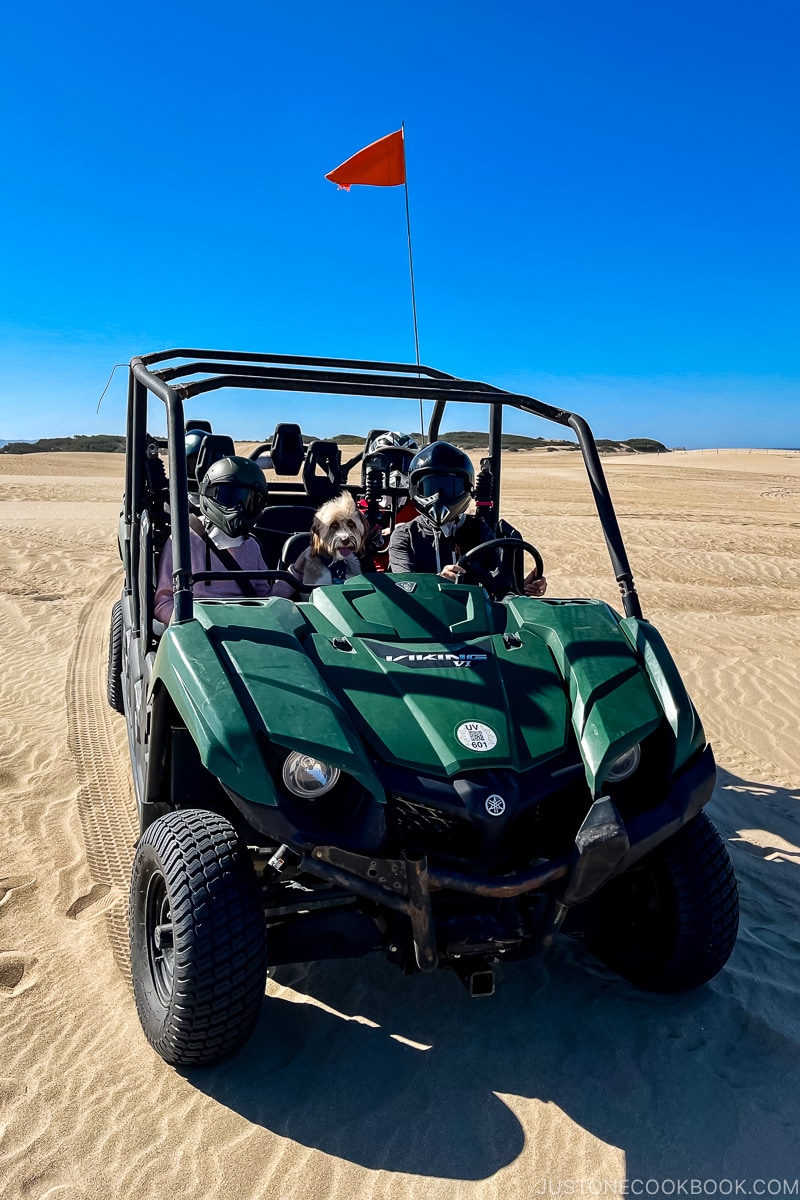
x=397 y=763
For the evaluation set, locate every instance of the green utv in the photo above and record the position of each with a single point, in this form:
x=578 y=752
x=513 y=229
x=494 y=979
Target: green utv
x=396 y=763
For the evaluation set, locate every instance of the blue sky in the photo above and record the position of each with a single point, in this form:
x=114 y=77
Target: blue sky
x=604 y=205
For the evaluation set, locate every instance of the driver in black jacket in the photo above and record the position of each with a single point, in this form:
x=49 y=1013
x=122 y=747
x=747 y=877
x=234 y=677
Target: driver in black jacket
x=440 y=482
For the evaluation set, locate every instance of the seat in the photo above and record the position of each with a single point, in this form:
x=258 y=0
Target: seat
x=275 y=523
x=287 y=450
x=213 y=447
x=322 y=472
x=293 y=547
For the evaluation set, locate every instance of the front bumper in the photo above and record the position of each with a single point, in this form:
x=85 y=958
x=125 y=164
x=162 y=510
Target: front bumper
x=605 y=846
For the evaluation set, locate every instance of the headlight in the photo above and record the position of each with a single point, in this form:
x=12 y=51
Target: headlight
x=308 y=777
x=624 y=766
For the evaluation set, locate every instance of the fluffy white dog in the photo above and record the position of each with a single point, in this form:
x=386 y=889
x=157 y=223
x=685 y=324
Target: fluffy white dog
x=338 y=536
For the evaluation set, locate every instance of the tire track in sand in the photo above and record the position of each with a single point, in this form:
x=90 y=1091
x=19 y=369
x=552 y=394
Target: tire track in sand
x=105 y=799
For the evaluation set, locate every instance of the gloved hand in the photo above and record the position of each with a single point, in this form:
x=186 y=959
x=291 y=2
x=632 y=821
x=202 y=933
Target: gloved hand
x=534 y=586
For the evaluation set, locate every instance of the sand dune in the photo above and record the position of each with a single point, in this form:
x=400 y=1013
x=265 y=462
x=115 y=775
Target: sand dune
x=358 y=1082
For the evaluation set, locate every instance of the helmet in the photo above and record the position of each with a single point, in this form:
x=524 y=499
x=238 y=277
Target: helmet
x=440 y=480
x=390 y=453
x=233 y=492
x=194 y=440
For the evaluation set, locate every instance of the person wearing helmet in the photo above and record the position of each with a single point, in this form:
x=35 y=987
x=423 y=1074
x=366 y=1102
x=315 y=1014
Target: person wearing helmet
x=441 y=480
x=232 y=494
x=390 y=453
x=386 y=502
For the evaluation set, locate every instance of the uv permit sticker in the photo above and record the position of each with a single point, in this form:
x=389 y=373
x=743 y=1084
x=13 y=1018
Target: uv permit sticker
x=476 y=736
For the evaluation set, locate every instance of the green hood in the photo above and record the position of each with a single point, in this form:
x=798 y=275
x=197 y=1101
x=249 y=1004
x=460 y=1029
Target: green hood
x=417 y=672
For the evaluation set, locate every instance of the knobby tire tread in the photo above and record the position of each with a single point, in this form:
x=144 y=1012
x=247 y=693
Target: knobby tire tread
x=114 y=677
x=220 y=961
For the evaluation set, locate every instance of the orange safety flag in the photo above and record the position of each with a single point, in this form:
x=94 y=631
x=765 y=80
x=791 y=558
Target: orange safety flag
x=381 y=164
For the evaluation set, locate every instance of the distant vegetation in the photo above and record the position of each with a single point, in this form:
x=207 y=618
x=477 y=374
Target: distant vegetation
x=104 y=443
x=469 y=440
x=112 y=443
x=645 y=445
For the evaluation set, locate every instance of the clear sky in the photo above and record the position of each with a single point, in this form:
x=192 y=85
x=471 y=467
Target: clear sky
x=604 y=204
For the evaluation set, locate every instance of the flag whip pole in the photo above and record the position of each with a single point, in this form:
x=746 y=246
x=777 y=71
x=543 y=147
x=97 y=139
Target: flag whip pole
x=411 y=273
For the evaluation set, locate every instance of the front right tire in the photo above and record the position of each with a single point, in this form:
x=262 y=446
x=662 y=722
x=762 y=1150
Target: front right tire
x=198 y=939
x=669 y=923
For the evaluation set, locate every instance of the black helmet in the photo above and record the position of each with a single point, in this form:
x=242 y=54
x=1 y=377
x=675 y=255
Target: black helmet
x=194 y=440
x=390 y=453
x=440 y=481
x=233 y=492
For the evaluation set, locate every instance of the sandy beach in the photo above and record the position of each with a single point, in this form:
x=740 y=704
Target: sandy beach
x=360 y=1083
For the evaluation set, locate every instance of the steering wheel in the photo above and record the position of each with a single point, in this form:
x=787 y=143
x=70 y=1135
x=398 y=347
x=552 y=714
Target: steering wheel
x=464 y=560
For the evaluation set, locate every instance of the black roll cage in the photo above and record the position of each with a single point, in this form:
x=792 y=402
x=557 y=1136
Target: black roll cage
x=334 y=376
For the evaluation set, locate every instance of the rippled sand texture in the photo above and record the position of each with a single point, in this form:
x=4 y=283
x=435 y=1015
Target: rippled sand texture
x=360 y=1083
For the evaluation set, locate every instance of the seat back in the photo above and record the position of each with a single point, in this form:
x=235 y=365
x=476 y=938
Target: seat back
x=287 y=450
x=213 y=447
x=275 y=523
x=293 y=547
x=322 y=472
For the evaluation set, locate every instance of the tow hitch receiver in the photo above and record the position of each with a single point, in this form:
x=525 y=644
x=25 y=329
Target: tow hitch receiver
x=477 y=975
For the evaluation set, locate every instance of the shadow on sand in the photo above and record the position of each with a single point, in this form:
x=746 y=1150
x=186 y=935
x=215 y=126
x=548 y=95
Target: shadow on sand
x=701 y=1085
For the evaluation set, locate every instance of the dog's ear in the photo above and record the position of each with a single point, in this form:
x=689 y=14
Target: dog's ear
x=317 y=544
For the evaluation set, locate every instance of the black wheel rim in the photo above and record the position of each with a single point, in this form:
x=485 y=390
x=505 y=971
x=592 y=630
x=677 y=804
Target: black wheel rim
x=161 y=957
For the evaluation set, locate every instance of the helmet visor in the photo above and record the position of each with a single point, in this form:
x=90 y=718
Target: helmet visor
x=233 y=495
x=447 y=487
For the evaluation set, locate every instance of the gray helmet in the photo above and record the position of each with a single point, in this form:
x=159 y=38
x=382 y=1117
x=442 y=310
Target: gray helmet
x=440 y=479
x=390 y=453
x=233 y=492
